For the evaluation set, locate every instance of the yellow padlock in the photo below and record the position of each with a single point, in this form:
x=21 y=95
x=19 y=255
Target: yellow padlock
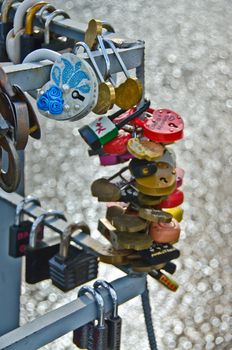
x=176 y=212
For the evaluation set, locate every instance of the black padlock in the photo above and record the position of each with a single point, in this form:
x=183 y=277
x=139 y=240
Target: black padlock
x=113 y=321
x=159 y=253
x=56 y=43
x=72 y=267
x=38 y=253
x=81 y=335
x=5 y=26
x=98 y=334
x=30 y=41
x=20 y=231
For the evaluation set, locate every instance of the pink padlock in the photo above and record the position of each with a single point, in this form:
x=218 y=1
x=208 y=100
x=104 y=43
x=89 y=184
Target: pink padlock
x=179 y=177
x=112 y=159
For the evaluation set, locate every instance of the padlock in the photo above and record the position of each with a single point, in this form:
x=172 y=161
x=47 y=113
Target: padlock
x=142 y=168
x=103 y=130
x=113 y=159
x=177 y=213
x=145 y=149
x=97 y=335
x=165 y=232
x=159 y=253
x=179 y=177
x=162 y=183
x=105 y=191
x=72 y=90
x=113 y=321
x=29 y=41
x=129 y=223
x=5 y=26
x=175 y=199
x=135 y=241
x=163 y=126
x=164 y=280
x=154 y=215
x=129 y=93
x=38 y=253
x=118 y=146
x=72 y=267
x=106 y=91
x=20 y=231
x=95 y=28
x=55 y=44
x=10 y=178
x=13 y=36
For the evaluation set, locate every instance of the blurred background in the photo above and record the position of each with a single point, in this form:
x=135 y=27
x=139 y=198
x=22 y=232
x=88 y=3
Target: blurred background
x=188 y=69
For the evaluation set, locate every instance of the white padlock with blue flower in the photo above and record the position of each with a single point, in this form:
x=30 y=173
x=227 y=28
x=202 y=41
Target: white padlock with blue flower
x=72 y=91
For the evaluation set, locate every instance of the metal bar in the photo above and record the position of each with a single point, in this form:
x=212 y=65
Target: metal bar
x=10 y=273
x=56 y=323
x=73 y=29
x=90 y=245
x=32 y=76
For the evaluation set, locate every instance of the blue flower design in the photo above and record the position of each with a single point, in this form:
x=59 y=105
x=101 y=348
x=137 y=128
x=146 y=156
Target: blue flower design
x=56 y=106
x=54 y=92
x=43 y=102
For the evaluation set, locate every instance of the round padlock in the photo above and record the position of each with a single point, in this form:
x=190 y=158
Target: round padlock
x=164 y=126
x=165 y=232
x=72 y=91
x=162 y=183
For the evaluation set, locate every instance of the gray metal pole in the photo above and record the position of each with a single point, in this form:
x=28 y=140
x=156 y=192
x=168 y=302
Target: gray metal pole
x=56 y=323
x=10 y=273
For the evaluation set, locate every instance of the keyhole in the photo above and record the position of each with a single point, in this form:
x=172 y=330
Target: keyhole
x=77 y=95
x=164 y=179
x=172 y=125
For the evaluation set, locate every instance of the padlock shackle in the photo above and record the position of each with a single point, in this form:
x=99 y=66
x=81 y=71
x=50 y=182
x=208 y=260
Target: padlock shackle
x=40 y=55
x=48 y=21
x=56 y=214
x=98 y=299
x=90 y=55
x=134 y=115
x=66 y=236
x=20 y=14
x=10 y=179
x=49 y=8
x=31 y=15
x=20 y=207
x=120 y=61
x=107 y=74
x=112 y=293
x=5 y=9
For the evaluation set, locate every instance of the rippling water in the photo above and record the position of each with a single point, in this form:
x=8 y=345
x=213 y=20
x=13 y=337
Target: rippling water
x=188 y=69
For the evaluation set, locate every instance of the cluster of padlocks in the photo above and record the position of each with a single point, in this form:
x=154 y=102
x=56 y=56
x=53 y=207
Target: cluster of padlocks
x=143 y=198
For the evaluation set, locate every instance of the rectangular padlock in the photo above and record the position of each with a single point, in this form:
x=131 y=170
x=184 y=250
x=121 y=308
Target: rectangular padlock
x=103 y=129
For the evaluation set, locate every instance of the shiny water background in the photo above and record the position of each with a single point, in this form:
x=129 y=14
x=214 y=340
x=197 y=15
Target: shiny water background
x=188 y=69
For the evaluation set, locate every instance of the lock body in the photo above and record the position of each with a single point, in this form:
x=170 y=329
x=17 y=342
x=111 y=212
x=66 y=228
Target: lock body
x=74 y=270
x=4 y=29
x=37 y=262
x=19 y=238
x=114 y=332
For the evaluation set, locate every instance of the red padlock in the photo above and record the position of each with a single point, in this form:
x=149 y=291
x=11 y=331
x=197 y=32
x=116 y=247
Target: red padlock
x=119 y=144
x=174 y=200
x=164 y=125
